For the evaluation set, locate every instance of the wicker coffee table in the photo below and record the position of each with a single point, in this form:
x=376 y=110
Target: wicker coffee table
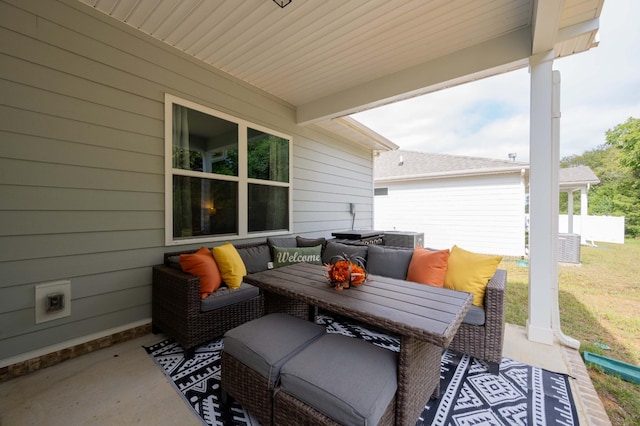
x=426 y=318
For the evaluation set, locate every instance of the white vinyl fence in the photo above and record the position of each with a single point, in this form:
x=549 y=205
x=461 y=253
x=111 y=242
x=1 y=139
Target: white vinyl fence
x=607 y=229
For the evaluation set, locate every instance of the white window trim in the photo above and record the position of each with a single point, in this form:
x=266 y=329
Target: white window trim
x=242 y=179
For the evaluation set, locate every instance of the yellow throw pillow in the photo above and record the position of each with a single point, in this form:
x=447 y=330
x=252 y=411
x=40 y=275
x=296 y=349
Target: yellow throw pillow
x=230 y=264
x=470 y=272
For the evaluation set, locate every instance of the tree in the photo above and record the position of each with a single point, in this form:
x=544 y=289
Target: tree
x=605 y=163
x=626 y=136
x=617 y=165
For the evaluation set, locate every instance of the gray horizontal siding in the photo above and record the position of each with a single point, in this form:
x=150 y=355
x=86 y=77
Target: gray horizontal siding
x=43 y=198
x=14 y=298
x=32 y=173
x=36 y=270
x=87 y=307
x=39 y=222
x=91 y=112
x=53 y=245
x=62 y=332
x=82 y=165
x=23 y=123
x=60 y=151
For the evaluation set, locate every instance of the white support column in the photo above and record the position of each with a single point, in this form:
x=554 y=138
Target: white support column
x=570 y=212
x=584 y=212
x=544 y=146
x=543 y=201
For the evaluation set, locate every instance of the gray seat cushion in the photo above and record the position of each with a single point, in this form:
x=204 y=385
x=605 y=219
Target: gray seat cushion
x=475 y=316
x=389 y=262
x=266 y=343
x=347 y=379
x=224 y=296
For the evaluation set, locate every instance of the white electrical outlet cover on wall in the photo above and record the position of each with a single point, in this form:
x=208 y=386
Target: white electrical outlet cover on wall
x=42 y=290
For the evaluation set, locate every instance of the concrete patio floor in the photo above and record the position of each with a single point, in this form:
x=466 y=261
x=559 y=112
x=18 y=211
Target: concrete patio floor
x=122 y=385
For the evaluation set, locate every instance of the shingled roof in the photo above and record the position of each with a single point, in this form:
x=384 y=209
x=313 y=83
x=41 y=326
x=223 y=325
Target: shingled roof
x=401 y=164
x=408 y=165
x=577 y=176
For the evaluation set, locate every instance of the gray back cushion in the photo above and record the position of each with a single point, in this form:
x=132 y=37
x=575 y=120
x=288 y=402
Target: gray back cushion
x=336 y=249
x=389 y=262
x=310 y=242
x=255 y=258
x=287 y=242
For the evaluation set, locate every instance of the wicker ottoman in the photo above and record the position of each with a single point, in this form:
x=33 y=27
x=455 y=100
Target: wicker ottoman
x=253 y=354
x=337 y=380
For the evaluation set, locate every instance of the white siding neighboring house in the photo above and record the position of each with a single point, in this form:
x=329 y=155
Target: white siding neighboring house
x=475 y=203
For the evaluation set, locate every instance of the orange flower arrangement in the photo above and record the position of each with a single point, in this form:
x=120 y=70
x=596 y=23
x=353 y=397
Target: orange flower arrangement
x=346 y=272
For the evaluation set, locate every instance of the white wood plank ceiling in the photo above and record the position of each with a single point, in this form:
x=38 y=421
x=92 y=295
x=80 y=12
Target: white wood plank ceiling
x=333 y=57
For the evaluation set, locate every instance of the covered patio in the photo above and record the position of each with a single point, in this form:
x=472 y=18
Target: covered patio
x=84 y=187
x=333 y=59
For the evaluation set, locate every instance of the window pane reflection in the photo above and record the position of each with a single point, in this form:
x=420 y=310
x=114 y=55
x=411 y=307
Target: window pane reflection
x=204 y=207
x=268 y=156
x=268 y=208
x=204 y=143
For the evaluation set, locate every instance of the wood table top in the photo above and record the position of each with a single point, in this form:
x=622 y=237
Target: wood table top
x=426 y=312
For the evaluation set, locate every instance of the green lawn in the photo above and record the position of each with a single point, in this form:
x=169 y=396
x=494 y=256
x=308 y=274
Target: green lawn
x=599 y=303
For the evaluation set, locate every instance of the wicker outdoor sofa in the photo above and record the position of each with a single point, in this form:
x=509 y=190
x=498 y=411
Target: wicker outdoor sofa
x=177 y=309
x=486 y=341
x=176 y=303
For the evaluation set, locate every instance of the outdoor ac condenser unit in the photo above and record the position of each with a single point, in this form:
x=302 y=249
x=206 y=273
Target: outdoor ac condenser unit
x=569 y=248
x=403 y=239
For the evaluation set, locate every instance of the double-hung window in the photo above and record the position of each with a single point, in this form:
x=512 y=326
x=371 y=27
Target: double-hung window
x=225 y=177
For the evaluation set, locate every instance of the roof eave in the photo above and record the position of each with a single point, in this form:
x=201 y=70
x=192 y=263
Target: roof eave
x=521 y=169
x=579 y=183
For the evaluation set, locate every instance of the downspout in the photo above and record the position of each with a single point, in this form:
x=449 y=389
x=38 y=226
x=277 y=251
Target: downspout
x=555 y=135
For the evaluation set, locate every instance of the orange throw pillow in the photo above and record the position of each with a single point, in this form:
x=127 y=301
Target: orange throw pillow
x=202 y=265
x=428 y=267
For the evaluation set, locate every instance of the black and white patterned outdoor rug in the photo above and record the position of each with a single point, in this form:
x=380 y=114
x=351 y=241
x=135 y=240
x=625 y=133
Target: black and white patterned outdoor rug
x=519 y=395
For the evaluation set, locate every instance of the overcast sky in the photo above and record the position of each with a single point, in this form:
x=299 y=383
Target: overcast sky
x=489 y=118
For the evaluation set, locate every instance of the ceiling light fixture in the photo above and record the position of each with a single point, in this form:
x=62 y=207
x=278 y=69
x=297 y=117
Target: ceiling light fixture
x=282 y=3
